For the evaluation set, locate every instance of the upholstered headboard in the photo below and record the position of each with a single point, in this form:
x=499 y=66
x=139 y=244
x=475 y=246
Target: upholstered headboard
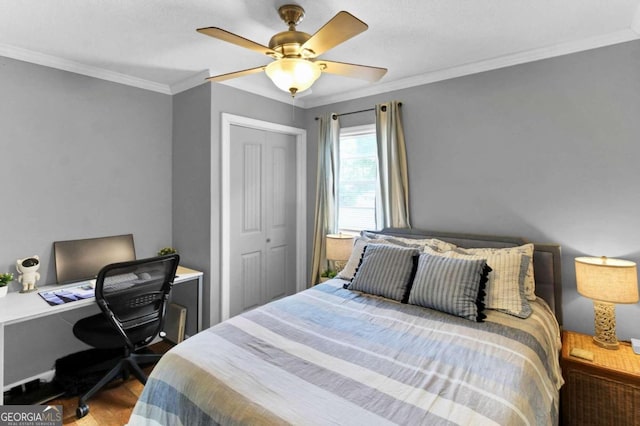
x=546 y=258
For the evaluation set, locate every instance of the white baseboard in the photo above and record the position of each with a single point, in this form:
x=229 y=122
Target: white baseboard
x=47 y=376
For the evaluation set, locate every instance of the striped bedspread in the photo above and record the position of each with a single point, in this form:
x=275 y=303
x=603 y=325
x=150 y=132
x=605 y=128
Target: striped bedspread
x=329 y=356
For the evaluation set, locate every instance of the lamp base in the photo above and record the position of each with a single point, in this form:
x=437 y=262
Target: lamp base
x=339 y=265
x=606 y=345
x=605 y=325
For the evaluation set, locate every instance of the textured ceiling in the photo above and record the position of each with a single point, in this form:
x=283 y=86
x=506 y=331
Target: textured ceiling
x=153 y=43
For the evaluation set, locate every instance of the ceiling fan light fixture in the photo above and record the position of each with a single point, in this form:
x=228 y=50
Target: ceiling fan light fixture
x=296 y=67
x=293 y=75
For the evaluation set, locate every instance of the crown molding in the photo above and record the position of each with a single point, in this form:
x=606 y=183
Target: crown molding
x=191 y=82
x=200 y=78
x=481 y=66
x=264 y=91
x=633 y=33
x=78 y=68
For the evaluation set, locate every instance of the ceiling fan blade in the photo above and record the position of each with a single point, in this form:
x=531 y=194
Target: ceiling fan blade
x=339 y=29
x=229 y=76
x=352 y=70
x=221 y=34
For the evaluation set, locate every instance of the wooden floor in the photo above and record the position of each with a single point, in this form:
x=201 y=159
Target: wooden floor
x=111 y=406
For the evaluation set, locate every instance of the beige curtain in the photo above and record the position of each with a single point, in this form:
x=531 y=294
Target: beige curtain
x=326 y=218
x=393 y=196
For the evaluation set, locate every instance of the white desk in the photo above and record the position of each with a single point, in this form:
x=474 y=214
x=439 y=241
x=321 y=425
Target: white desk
x=17 y=307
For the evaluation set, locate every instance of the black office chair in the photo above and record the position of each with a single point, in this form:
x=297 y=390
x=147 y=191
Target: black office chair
x=133 y=297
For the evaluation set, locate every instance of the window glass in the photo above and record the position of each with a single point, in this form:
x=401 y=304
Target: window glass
x=358 y=178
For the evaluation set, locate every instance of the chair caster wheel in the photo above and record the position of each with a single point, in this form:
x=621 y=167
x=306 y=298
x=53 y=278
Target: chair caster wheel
x=82 y=411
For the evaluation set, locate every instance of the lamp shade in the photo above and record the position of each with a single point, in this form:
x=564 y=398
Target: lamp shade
x=293 y=74
x=607 y=280
x=339 y=246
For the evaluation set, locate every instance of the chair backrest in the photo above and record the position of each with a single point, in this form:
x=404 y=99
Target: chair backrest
x=134 y=294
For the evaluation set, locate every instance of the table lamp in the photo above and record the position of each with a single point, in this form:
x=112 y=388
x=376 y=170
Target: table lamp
x=607 y=282
x=339 y=249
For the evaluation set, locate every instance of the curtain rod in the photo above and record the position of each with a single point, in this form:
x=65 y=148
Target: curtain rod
x=335 y=116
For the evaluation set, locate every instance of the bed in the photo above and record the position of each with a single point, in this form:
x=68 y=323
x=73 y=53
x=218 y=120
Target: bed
x=334 y=355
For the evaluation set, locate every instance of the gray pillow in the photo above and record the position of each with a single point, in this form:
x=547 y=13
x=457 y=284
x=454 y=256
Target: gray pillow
x=385 y=270
x=454 y=286
x=505 y=288
x=359 y=244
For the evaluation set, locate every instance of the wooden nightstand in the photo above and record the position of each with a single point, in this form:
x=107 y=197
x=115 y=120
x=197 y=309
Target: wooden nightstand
x=605 y=391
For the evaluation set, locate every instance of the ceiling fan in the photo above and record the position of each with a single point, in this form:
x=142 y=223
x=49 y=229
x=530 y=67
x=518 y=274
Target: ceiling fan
x=296 y=66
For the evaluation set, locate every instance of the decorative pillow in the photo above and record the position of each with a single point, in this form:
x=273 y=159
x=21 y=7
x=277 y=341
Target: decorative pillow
x=525 y=250
x=454 y=286
x=505 y=287
x=422 y=242
x=385 y=270
x=359 y=244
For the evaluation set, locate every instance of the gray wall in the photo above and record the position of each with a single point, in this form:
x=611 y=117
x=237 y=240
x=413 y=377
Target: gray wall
x=197 y=183
x=546 y=150
x=85 y=158
x=81 y=158
x=191 y=185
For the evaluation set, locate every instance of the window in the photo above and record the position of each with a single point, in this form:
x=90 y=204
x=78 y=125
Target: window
x=358 y=178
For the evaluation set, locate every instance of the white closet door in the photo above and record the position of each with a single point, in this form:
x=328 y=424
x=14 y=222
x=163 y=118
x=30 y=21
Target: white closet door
x=263 y=217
